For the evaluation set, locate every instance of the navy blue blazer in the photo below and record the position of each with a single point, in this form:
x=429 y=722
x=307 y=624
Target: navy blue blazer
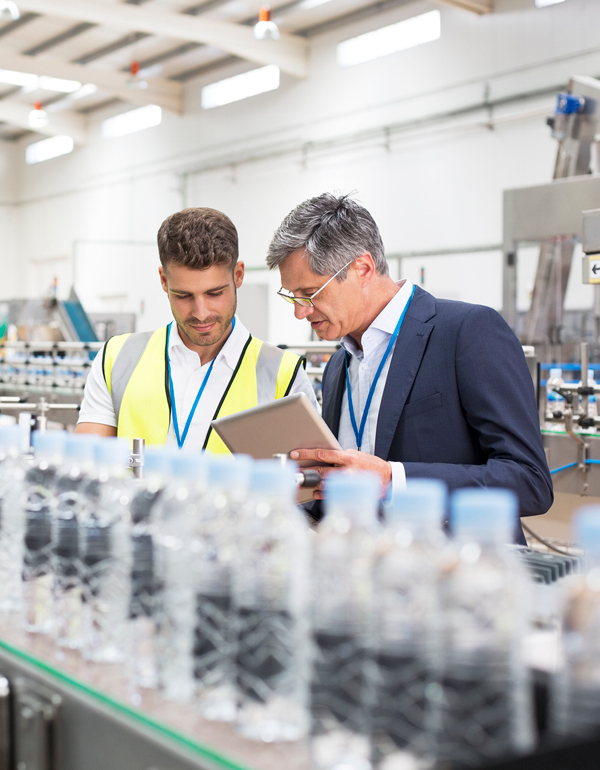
x=458 y=404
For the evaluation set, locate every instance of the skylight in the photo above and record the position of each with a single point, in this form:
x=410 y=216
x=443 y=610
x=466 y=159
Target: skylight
x=233 y=89
x=47 y=149
x=386 y=40
x=544 y=3
x=132 y=121
x=33 y=82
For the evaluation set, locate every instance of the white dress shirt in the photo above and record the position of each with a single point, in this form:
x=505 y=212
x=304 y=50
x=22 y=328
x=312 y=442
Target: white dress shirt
x=188 y=375
x=362 y=367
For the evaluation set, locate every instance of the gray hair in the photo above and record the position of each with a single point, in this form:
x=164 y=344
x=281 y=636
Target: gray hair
x=332 y=231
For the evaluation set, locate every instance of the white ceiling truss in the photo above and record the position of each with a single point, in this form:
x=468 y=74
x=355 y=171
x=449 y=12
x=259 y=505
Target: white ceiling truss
x=96 y=41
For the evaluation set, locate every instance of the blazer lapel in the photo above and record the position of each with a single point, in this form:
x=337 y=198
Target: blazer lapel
x=335 y=384
x=406 y=359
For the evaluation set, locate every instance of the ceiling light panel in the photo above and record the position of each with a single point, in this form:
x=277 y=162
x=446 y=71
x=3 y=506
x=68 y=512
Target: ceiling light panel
x=544 y=3
x=47 y=149
x=252 y=83
x=391 y=39
x=132 y=121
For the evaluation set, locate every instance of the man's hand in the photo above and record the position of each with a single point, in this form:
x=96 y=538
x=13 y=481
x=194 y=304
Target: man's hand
x=348 y=459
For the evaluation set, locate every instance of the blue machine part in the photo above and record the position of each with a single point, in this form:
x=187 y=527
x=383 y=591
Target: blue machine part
x=568 y=104
x=81 y=323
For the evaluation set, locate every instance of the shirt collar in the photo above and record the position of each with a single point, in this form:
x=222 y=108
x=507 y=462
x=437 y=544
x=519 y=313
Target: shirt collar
x=229 y=353
x=386 y=320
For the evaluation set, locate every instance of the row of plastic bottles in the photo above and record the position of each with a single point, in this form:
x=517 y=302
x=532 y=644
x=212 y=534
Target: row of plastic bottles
x=385 y=643
x=18 y=368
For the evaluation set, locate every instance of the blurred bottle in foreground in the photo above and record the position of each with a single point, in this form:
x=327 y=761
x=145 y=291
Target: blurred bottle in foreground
x=342 y=607
x=12 y=518
x=212 y=545
x=406 y=627
x=68 y=510
x=144 y=582
x=105 y=548
x=174 y=604
x=486 y=709
x=271 y=593
x=38 y=497
x=576 y=690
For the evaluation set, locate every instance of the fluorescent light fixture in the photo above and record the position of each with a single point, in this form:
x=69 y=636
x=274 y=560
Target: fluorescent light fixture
x=47 y=149
x=31 y=82
x=87 y=90
x=544 y=3
x=12 y=78
x=58 y=84
x=233 y=89
x=306 y=5
x=397 y=37
x=132 y=121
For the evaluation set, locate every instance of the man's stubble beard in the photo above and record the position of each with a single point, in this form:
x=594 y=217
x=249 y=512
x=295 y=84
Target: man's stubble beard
x=213 y=337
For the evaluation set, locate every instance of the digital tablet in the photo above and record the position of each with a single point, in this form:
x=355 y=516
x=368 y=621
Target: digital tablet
x=276 y=428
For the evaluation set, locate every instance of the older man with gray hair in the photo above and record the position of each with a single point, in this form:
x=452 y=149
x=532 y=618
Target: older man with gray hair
x=421 y=387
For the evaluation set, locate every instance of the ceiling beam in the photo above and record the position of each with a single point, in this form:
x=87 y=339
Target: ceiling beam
x=290 y=53
x=476 y=6
x=168 y=94
x=60 y=123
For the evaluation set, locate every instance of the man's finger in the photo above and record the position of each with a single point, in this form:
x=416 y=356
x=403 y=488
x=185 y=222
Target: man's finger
x=320 y=455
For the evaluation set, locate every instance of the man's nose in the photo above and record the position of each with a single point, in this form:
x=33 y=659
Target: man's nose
x=302 y=311
x=200 y=310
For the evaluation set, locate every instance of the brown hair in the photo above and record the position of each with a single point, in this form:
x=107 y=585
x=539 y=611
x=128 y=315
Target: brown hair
x=198 y=239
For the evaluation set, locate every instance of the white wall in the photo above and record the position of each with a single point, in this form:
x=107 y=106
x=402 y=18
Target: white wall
x=431 y=186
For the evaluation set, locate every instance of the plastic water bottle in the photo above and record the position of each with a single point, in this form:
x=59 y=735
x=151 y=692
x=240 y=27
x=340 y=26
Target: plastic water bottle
x=576 y=691
x=39 y=488
x=406 y=627
x=105 y=548
x=486 y=711
x=69 y=509
x=144 y=581
x=212 y=545
x=271 y=592
x=12 y=519
x=555 y=403
x=342 y=619
x=174 y=607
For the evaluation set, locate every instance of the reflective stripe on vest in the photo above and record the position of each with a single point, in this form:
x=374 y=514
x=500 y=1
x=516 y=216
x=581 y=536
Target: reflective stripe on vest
x=136 y=375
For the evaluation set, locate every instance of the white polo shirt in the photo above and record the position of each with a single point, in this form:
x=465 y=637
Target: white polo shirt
x=188 y=375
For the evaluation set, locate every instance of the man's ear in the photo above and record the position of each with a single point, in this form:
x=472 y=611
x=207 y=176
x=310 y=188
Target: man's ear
x=163 y=279
x=238 y=274
x=364 y=265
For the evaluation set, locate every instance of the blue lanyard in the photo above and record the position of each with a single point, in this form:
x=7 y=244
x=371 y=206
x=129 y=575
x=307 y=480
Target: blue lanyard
x=358 y=433
x=181 y=440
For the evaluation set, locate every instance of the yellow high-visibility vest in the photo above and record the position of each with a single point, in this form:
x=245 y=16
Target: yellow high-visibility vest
x=136 y=374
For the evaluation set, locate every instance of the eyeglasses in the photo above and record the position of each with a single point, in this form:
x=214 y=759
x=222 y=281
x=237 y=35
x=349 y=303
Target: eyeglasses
x=308 y=301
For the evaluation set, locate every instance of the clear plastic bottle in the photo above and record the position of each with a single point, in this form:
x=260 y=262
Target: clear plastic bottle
x=407 y=572
x=144 y=583
x=555 y=403
x=576 y=690
x=174 y=605
x=342 y=620
x=39 y=486
x=12 y=519
x=212 y=545
x=69 y=508
x=105 y=549
x=592 y=408
x=486 y=709
x=271 y=590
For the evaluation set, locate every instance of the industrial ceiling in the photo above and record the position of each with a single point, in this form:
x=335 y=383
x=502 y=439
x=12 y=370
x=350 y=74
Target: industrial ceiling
x=96 y=41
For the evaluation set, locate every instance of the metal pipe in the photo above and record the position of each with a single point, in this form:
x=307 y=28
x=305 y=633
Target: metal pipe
x=137 y=457
x=585 y=363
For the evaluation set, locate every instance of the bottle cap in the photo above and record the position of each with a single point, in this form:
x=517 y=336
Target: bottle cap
x=229 y=472
x=112 y=451
x=156 y=460
x=188 y=465
x=487 y=515
x=80 y=446
x=353 y=493
x=10 y=437
x=421 y=504
x=270 y=477
x=586 y=523
x=50 y=442
x=555 y=373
